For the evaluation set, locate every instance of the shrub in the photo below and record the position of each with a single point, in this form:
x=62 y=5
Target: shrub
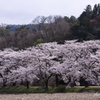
x=38 y=41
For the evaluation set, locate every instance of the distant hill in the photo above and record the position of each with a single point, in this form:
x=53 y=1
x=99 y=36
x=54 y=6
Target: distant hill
x=30 y=26
x=14 y=27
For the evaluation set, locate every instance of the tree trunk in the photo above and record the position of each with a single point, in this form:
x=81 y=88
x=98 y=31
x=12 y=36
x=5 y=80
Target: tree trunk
x=86 y=84
x=14 y=84
x=4 y=82
x=71 y=84
x=46 y=83
x=68 y=86
x=57 y=81
x=27 y=83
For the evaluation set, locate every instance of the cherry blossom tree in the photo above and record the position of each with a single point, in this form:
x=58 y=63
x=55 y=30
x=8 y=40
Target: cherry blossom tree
x=72 y=61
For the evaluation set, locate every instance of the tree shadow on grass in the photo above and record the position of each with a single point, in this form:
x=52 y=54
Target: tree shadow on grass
x=82 y=90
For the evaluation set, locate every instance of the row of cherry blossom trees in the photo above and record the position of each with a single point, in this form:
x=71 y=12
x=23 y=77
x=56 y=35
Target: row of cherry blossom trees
x=71 y=62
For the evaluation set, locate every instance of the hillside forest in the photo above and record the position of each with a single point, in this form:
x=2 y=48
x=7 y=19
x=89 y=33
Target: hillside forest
x=53 y=29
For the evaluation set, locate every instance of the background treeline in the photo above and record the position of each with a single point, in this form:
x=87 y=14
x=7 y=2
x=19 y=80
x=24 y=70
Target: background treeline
x=53 y=28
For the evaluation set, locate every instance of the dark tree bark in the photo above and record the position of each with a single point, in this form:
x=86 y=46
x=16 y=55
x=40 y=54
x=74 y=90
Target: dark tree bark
x=46 y=84
x=57 y=81
x=27 y=84
x=4 y=82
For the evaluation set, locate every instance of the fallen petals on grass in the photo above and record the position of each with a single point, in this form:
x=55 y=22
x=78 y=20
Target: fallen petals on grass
x=56 y=96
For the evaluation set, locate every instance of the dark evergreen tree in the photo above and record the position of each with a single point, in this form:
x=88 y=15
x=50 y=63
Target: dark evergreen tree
x=98 y=9
x=66 y=19
x=88 y=11
x=72 y=19
x=95 y=11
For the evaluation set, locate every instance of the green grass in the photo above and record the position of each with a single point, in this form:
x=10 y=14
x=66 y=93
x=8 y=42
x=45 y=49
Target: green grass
x=60 y=89
x=21 y=89
x=80 y=89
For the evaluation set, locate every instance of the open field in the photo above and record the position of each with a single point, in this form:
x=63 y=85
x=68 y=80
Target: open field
x=56 y=96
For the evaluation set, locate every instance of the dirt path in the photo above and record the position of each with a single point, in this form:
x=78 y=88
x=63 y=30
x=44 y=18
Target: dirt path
x=56 y=96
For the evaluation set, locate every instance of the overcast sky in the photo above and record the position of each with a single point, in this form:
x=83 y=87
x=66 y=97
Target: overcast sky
x=24 y=11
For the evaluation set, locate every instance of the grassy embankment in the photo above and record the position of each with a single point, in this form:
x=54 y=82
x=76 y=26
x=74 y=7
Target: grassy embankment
x=60 y=89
